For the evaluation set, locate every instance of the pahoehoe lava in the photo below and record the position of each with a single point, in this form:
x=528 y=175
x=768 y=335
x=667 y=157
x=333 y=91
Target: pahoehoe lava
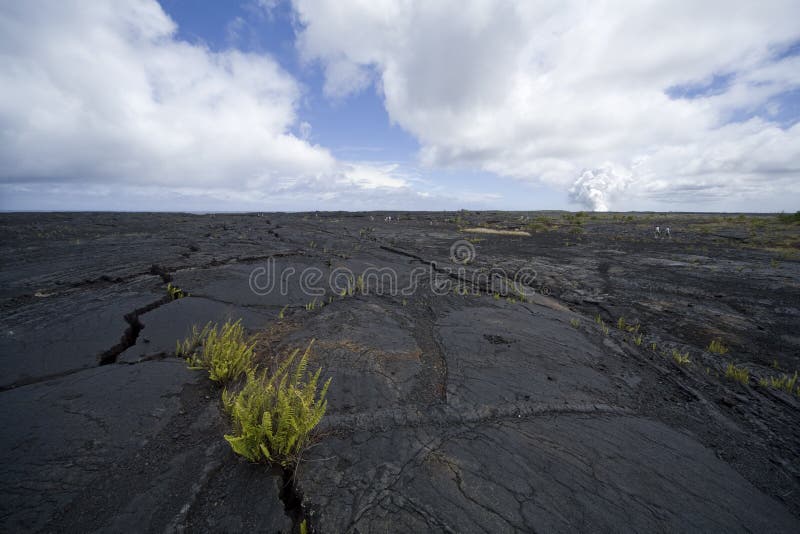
x=585 y=401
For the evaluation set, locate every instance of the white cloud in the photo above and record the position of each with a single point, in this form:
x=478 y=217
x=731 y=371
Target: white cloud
x=99 y=91
x=234 y=29
x=543 y=91
x=304 y=129
x=102 y=98
x=372 y=176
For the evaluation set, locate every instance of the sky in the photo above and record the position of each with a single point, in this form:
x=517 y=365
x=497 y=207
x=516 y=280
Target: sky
x=300 y=105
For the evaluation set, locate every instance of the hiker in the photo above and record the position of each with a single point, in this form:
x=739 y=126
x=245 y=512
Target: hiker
x=658 y=232
x=666 y=232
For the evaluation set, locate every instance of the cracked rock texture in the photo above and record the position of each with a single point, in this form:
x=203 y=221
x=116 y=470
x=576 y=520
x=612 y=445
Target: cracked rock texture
x=454 y=407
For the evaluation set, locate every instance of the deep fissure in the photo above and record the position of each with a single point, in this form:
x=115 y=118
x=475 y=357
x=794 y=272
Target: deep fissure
x=131 y=333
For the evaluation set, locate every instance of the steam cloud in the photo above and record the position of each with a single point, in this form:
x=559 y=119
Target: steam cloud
x=595 y=187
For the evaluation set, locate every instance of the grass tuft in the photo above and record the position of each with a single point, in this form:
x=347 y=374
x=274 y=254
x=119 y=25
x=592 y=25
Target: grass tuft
x=717 y=347
x=783 y=382
x=681 y=358
x=739 y=374
x=575 y=323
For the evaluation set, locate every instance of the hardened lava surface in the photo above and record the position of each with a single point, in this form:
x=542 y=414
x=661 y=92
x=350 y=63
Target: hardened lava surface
x=491 y=371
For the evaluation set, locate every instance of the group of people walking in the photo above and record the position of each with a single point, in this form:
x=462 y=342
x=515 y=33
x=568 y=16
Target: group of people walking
x=666 y=232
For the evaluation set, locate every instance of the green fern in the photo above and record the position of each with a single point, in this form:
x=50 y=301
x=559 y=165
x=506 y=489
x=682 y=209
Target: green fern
x=273 y=416
x=224 y=352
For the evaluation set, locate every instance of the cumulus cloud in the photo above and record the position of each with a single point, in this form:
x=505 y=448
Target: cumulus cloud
x=103 y=98
x=677 y=94
x=689 y=104
x=99 y=91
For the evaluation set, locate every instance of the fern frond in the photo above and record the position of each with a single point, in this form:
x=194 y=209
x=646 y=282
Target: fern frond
x=273 y=417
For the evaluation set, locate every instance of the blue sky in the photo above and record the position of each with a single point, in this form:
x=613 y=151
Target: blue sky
x=322 y=104
x=354 y=127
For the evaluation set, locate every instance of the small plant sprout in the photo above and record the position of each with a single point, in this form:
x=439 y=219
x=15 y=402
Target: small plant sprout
x=681 y=358
x=224 y=352
x=621 y=323
x=783 y=382
x=653 y=346
x=175 y=292
x=311 y=306
x=195 y=338
x=576 y=323
x=405 y=302
x=496 y=296
x=603 y=327
x=717 y=347
x=273 y=416
x=598 y=319
x=739 y=374
x=282 y=313
x=637 y=339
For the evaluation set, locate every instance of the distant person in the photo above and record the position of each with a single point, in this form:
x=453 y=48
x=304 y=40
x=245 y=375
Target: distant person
x=666 y=232
x=658 y=232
